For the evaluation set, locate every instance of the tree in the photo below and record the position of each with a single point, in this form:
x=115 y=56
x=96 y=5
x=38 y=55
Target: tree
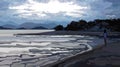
x=72 y=26
x=75 y=26
x=82 y=25
x=98 y=24
x=59 y=27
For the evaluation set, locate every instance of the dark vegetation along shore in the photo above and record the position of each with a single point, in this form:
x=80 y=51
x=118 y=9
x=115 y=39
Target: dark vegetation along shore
x=96 y=25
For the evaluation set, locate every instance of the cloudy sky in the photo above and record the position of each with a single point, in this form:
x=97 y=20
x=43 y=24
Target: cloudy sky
x=57 y=11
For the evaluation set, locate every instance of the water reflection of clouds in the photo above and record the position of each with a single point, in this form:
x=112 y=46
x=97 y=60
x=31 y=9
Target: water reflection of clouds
x=44 y=47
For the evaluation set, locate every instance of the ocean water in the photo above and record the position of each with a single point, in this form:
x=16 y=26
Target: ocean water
x=41 y=49
x=11 y=32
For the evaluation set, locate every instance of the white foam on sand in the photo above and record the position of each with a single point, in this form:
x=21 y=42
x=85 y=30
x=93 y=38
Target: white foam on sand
x=32 y=44
x=52 y=39
x=3 y=35
x=26 y=44
x=32 y=39
x=13 y=50
x=65 y=36
x=61 y=36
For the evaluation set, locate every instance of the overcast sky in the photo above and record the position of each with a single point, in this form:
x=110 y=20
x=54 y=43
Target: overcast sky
x=63 y=11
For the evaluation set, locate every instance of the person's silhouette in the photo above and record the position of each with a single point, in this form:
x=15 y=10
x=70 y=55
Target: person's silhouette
x=105 y=37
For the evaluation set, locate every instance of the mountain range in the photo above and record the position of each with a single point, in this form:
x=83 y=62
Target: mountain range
x=26 y=25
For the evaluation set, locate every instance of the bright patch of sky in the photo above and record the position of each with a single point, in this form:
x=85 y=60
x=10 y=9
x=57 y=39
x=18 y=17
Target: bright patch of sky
x=38 y=9
x=62 y=11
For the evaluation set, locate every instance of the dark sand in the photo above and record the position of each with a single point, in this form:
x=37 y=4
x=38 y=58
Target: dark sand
x=107 y=56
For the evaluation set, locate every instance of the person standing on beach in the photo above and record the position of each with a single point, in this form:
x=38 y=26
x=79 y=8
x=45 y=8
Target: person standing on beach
x=105 y=37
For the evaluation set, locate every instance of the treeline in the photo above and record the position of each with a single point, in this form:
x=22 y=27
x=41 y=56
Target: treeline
x=96 y=25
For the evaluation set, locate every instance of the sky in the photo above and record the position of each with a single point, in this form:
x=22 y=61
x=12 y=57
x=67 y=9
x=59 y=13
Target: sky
x=57 y=11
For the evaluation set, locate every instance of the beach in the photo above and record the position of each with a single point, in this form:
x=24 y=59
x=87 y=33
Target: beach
x=107 y=56
x=101 y=56
x=49 y=49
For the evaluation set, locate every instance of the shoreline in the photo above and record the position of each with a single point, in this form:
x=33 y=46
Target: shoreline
x=84 y=55
x=66 y=45
x=79 y=59
x=73 y=60
x=98 y=34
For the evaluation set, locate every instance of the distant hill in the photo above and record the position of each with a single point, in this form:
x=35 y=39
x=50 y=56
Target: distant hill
x=7 y=23
x=9 y=26
x=40 y=27
x=49 y=25
x=37 y=25
x=26 y=25
x=4 y=27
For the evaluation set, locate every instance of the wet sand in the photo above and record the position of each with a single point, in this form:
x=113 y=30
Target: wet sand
x=40 y=50
x=107 y=56
x=98 y=57
x=80 y=59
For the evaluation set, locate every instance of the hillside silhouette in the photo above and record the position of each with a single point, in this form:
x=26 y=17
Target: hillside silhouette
x=96 y=25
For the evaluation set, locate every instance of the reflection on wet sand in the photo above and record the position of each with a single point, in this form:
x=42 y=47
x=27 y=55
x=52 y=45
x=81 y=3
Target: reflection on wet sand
x=21 y=51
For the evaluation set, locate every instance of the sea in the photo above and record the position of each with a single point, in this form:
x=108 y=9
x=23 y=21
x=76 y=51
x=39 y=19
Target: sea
x=41 y=50
x=11 y=32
